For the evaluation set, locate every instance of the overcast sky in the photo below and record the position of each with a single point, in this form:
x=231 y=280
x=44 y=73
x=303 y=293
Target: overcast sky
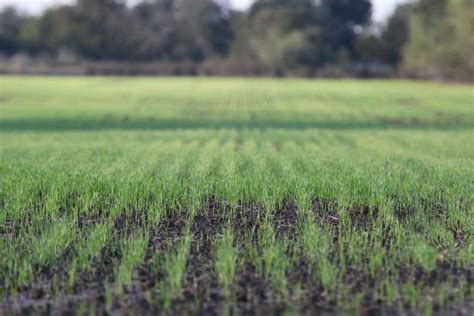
x=382 y=8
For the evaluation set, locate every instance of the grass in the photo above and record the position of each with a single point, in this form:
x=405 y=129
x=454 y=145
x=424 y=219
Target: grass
x=227 y=261
x=174 y=267
x=196 y=194
x=87 y=249
x=133 y=252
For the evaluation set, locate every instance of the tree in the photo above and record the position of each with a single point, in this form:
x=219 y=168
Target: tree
x=102 y=29
x=396 y=34
x=385 y=43
x=203 y=28
x=50 y=32
x=441 y=39
x=315 y=32
x=182 y=29
x=11 y=24
x=154 y=28
x=266 y=36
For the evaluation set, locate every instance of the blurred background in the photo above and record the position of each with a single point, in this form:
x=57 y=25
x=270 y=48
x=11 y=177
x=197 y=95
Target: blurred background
x=429 y=39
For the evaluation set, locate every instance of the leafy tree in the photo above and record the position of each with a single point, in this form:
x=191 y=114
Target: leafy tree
x=50 y=32
x=396 y=34
x=182 y=29
x=270 y=38
x=203 y=28
x=323 y=31
x=11 y=24
x=441 y=39
x=101 y=29
x=155 y=30
x=385 y=44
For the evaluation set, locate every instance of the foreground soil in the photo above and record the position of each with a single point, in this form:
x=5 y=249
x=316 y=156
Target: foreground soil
x=201 y=293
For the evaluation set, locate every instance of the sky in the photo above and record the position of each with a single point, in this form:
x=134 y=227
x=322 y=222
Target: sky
x=382 y=8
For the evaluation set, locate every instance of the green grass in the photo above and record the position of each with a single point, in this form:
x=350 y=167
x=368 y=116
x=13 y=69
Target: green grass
x=133 y=253
x=174 y=267
x=353 y=194
x=227 y=260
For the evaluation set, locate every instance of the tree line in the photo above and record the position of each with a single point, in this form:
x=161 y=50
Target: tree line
x=427 y=37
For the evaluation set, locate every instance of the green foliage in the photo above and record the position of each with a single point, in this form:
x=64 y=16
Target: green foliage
x=36 y=252
x=317 y=246
x=174 y=266
x=424 y=254
x=109 y=30
x=386 y=44
x=426 y=38
x=275 y=34
x=314 y=33
x=441 y=39
x=52 y=243
x=11 y=26
x=88 y=249
x=93 y=244
x=226 y=260
x=133 y=252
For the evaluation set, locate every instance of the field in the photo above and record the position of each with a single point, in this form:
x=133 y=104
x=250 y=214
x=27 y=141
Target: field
x=255 y=196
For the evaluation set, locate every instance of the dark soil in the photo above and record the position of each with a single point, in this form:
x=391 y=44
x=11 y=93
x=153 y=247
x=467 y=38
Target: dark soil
x=201 y=294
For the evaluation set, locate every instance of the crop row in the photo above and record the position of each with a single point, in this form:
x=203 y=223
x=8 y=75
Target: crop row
x=243 y=218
